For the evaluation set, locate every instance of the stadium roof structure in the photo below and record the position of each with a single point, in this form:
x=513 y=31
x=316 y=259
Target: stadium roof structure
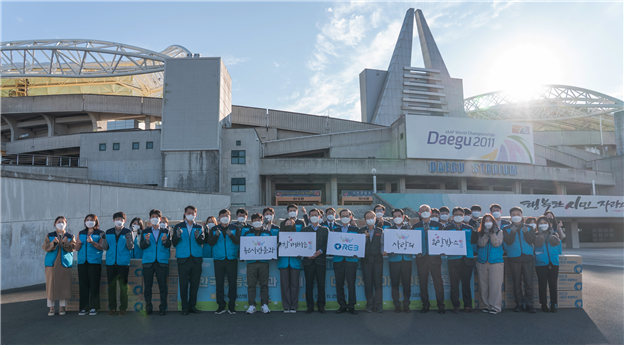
x=69 y=66
x=548 y=107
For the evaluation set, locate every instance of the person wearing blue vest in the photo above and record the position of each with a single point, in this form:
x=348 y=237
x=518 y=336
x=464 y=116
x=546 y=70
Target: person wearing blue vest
x=225 y=241
x=380 y=211
x=461 y=266
x=315 y=265
x=211 y=222
x=293 y=211
x=475 y=217
x=497 y=212
x=400 y=267
x=490 y=265
x=137 y=226
x=558 y=226
x=547 y=262
x=241 y=224
x=268 y=214
x=89 y=252
x=519 y=239
x=59 y=247
x=118 y=245
x=289 y=268
x=429 y=264
x=372 y=264
x=257 y=270
x=345 y=267
x=187 y=238
x=445 y=216
x=155 y=243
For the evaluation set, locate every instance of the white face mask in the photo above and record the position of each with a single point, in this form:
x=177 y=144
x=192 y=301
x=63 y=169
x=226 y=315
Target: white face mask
x=268 y=217
x=425 y=214
x=256 y=224
x=444 y=217
x=398 y=220
x=466 y=218
x=60 y=226
x=379 y=214
x=154 y=221
x=489 y=225
x=241 y=219
x=119 y=223
x=533 y=225
x=345 y=220
x=162 y=225
x=90 y=224
x=314 y=219
x=190 y=217
x=370 y=222
x=516 y=219
x=496 y=214
x=543 y=227
x=135 y=228
x=210 y=225
x=435 y=218
x=458 y=218
x=224 y=220
x=292 y=213
x=330 y=217
x=476 y=214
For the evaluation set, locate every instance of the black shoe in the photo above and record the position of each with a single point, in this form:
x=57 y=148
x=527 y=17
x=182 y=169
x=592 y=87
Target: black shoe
x=379 y=311
x=456 y=310
x=341 y=310
x=353 y=311
x=397 y=309
x=309 y=310
x=441 y=311
x=194 y=310
x=161 y=313
x=368 y=310
x=148 y=312
x=321 y=310
x=407 y=310
x=424 y=310
x=518 y=309
x=184 y=312
x=553 y=308
x=545 y=309
x=531 y=310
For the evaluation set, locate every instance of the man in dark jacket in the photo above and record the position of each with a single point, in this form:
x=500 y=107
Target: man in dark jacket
x=314 y=266
x=372 y=264
x=429 y=264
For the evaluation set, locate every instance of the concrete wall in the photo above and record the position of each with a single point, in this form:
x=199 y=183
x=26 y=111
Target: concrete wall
x=616 y=166
x=142 y=166
x=192 y=170
x=67 y=172
x=250 y=170
x=573 y=138
x=42 y=144
x=31 y=202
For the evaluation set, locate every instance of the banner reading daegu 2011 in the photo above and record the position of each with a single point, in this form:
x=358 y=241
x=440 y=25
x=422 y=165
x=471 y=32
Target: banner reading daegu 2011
x=468 y=139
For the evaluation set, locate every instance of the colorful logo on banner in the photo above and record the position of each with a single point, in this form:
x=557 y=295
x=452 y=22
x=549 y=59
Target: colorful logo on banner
x=258 y=243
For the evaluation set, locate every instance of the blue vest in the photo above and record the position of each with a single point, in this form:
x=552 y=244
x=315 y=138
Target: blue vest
x=285 y=262
x=519 y=246
x=67 y=258
x=188 y=246
x=118 y=253
x=397 y=257
x=207 y=251
x=490 y=254
x=137 y=252
x=250 y=232
x=224 y=246
x=89 y=253
x=469 y=247
x=547 y=253
x=350 y=229
x=156 y=250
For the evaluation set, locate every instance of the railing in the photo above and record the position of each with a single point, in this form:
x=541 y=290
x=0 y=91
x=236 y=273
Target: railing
x=43 y=160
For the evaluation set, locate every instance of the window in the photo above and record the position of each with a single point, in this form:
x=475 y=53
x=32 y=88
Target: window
x=238 y=157
x=238 y=142
x=238 y=184
x=102 y=147
x=135 y=146
x=237 y=205
x=401 y=136
x=115 y=146
x=149 y=145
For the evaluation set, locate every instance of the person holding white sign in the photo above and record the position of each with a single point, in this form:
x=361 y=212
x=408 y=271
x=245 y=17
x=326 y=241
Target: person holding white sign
x=289 y=268
x=257 y=270
x=429 y=264
x=314 y=266
x=461 y=266
x=400 y=267
x=345 y=267
x=372 y=264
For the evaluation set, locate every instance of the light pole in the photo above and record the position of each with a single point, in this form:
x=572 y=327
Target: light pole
x=374 y=171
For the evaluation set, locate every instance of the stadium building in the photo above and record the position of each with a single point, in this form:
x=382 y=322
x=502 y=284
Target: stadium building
x=112 y=112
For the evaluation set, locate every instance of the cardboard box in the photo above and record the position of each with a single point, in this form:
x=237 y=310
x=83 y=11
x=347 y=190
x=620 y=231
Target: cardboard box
x=173 y=268
x=570 y=264
x=135 y=285
x=135 y=303
x=570 y=282
x=569 y=299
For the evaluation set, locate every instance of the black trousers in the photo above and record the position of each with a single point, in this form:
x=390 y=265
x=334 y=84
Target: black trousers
x=401 y=270
x=345 y=270
x=225 y=268
x=373 y=274
x=522 y=272
x=313 y=272
x=550 y=276
x=116 y=274
x=89 y=286
x=148 y=281
x=424 y=269
x=189 y=272
x=460 y=272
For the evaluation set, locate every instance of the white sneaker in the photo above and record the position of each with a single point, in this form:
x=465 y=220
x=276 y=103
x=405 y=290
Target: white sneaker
x=492 y=311
x=232 y=312
x=220 y=311
x=286 y=311
x=293 y=311
x=82 y=312
x=51 y=313
x=251 y=310
x=485 y=310
x=93 y=312
x=265 y=309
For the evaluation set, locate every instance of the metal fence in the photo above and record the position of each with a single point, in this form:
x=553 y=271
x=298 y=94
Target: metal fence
x=43 y=160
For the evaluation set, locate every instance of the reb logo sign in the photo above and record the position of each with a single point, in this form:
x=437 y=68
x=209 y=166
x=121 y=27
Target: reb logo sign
x=350 y=245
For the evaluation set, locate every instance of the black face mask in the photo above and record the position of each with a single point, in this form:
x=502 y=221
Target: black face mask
x=288 y=229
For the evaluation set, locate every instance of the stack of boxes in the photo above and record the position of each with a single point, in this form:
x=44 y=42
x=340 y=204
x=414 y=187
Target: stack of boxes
x=569 y=287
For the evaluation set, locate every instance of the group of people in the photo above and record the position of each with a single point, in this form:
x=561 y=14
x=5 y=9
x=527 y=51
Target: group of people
x=528 y=242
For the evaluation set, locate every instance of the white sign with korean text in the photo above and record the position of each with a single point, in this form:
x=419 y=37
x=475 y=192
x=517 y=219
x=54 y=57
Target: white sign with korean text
x=346 y=244
x=447 y=242
x=258 y=248
x=293 y=244
x=402 y=241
